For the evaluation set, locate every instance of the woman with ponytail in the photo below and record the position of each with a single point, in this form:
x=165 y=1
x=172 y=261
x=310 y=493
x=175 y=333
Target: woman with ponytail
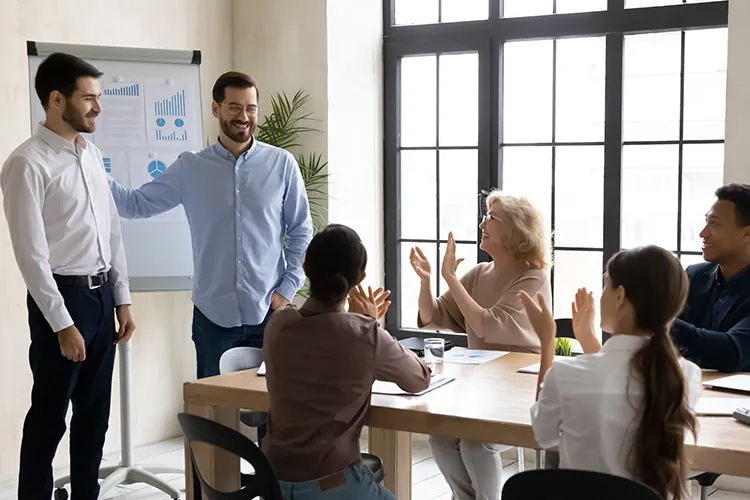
x=626 y=409
x=321 y=362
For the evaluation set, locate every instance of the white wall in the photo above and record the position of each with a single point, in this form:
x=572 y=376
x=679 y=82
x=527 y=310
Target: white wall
x=163 y=355
x=737 y=152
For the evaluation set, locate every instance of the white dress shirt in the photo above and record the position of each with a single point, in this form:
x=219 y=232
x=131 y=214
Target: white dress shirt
x=62 y=219
x=587 y=406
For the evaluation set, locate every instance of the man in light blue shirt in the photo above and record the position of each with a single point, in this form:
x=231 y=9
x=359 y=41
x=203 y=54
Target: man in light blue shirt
x=243 y=199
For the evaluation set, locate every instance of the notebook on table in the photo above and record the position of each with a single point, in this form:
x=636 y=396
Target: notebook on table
x=734 y=383
x=720 y=407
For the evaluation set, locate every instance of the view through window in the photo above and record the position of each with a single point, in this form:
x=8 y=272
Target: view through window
x=618 y=138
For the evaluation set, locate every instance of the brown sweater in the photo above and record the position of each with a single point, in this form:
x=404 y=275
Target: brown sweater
x=506 y=325
x=321 y=363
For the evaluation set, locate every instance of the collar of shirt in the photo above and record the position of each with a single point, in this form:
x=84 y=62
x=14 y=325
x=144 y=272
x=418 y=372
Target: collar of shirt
x=629 y=343
x=314 y=306
x=735 y=281
x=57 y=142
x=225 y=153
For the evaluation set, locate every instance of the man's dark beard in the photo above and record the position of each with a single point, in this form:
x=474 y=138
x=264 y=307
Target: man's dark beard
x=238 y=137
x=76 y=122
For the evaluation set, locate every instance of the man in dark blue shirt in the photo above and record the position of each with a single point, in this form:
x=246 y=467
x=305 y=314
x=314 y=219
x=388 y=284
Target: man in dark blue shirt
x=714 y=329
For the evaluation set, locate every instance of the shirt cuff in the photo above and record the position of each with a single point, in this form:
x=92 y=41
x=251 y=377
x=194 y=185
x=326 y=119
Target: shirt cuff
x=59 y=320
x=122 y=295
x=287 y=290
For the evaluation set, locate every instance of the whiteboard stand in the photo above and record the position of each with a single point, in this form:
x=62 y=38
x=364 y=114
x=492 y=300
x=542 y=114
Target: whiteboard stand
x=127 y=472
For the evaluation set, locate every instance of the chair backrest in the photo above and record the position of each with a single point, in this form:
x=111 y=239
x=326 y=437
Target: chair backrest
x=240 y=358
x=566 y=484
x=565 y=328
x=263 y=483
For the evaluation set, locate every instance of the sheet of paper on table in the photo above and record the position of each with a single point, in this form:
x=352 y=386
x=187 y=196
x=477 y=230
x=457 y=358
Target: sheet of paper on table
x=534 y=369
x=718 y=407
x=391 y=389
x=262 y=370
x=462 y=356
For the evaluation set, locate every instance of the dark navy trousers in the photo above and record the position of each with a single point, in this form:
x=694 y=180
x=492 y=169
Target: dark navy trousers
x=57 y=381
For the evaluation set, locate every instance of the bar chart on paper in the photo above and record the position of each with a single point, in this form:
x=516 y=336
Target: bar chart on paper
x=133 y=90
x=171 y=106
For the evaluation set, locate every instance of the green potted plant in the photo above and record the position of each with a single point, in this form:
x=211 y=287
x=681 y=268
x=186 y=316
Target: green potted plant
x=563 y=346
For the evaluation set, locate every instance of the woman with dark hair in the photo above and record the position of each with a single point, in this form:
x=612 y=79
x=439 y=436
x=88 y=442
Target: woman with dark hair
x=321 y=362
x=626 y=409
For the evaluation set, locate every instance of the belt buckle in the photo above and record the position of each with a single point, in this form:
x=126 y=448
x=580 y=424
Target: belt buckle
x=92 y=286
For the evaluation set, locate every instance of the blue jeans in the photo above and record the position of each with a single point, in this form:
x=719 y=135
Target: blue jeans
x=357 y=482
x=212 y=340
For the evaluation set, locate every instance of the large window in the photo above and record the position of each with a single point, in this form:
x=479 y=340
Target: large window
x=607 y=114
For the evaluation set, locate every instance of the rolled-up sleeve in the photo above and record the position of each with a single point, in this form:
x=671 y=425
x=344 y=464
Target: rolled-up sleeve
x=546 y=413
x=23 y=199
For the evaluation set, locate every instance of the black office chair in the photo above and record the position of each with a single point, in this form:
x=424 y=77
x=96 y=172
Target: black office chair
x=705 y=480
x=566 y=484
x=565 y=328
x=262 y=484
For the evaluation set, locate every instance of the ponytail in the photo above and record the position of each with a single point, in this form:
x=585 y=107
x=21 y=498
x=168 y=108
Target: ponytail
x=657 y=457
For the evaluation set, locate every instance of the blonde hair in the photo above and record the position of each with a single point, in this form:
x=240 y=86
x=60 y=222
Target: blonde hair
x=527 y=236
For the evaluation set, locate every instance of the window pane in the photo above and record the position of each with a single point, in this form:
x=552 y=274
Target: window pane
x=527 y=171
x=458 y=194
x=649 y=196
x=579 y=196
x=418 y=100
x=580 y=89
x=410 y=284
x=651 y=87
x=463 y=251
x=702 y=175
x=689 y=260
x=574 y=270
x=527 y=91
x=418 y=183
x=570 y=6
x=705 y=83
x=465 y=10
x=416 y=11
x=459 y=99
x=523 y=8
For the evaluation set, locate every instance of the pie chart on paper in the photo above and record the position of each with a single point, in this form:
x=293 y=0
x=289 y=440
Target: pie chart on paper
x=156 y=168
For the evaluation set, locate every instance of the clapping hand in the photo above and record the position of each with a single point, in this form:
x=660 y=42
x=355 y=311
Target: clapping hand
x=450 y=263
x=583 y=313
x=370 y=304
x=540 y=317
x=420 y=264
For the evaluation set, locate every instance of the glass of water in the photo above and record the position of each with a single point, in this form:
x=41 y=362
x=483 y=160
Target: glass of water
x=434 y=349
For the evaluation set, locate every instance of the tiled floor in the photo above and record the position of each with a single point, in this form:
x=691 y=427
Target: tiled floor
x=428 y=483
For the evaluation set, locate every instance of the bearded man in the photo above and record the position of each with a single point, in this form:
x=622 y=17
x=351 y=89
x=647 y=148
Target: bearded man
x=66 y=238
x=249 y=220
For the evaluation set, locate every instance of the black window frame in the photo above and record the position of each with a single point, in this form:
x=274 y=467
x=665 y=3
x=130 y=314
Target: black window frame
x=487 y=37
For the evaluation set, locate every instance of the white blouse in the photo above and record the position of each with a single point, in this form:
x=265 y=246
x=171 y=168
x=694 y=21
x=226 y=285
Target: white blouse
x=588 y=406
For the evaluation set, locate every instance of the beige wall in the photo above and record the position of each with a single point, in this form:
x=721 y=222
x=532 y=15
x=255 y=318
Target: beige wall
x=282 y=44
x=162 y=351
x=355 y=118
x=737 y=157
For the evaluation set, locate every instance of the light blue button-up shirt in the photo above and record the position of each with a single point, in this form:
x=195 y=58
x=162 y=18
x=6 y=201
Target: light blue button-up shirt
x=239 y=212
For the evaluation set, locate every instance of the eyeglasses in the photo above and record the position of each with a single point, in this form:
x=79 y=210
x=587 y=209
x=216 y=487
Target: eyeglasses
x=237 y=109
x=489 y=217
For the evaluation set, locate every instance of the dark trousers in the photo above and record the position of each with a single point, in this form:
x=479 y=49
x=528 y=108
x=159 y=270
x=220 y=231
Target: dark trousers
x=212 y=340
x=57 y=380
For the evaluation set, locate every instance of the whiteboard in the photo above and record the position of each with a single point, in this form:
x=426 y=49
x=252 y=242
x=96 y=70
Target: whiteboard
x=151 y=112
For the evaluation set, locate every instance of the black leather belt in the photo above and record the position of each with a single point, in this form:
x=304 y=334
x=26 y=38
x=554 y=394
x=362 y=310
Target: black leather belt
x=90 y=282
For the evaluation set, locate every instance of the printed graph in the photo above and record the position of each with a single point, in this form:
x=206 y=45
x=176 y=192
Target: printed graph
x=127 y=90
x=107 y=165
x=173 y=136
x=171 y=106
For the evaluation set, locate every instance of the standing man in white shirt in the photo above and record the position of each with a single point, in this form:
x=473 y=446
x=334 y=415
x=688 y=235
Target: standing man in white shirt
x=66 y=238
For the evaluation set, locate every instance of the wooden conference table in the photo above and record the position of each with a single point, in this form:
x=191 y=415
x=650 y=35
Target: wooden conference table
x=487 y=403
